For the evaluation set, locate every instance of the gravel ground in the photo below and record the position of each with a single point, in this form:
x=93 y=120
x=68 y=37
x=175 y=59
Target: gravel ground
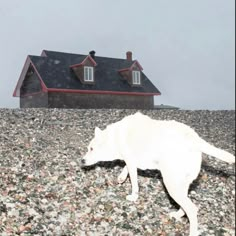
x=43 y=190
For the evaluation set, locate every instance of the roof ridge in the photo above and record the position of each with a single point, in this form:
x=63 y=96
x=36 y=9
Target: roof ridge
x=77 y=54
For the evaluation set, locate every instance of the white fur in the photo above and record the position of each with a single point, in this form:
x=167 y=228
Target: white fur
x=172 y=147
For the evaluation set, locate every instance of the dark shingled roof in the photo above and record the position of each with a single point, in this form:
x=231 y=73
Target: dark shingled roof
x=54 y=69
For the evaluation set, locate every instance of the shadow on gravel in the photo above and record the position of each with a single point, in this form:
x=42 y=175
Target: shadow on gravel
x=156 y=173
x=218 y=172
x=107 y=165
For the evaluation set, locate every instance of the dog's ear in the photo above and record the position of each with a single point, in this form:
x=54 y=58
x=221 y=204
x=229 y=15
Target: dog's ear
x=97 y=131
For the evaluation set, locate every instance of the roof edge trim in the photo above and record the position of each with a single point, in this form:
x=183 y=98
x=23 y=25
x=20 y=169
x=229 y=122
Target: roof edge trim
x=101 y=92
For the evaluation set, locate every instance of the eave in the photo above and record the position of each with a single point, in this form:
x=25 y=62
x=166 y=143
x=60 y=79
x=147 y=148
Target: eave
x=102 y=92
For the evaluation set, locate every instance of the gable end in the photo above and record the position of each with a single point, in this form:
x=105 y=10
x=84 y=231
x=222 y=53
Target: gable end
x=31 y=83
x=29 y=71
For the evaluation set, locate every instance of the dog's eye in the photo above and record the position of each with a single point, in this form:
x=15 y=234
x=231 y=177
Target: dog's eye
x=91 y=149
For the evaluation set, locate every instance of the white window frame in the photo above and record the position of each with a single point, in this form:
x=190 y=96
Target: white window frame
x=88 y=74
x=136 y=77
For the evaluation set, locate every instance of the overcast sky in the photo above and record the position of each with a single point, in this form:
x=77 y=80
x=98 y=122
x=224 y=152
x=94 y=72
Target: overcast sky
x=186 y=48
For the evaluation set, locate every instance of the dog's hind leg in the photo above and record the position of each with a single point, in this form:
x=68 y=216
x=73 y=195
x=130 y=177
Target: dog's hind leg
x=123 y=175
x=178 y=190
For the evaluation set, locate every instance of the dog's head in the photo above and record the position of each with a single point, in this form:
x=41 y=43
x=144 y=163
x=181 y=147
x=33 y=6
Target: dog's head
x=100 y=148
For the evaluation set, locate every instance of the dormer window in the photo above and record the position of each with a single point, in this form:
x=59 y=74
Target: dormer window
x=136 y=77
x=88 y=74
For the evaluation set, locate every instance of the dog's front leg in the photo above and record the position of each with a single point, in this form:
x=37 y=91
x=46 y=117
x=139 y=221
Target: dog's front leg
x=132 y=169
x=123 y=175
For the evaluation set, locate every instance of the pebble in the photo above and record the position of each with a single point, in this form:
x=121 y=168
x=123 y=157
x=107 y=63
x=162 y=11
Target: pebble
x=43 y=190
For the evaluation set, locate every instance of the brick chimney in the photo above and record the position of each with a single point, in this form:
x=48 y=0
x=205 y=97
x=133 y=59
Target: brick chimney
x=129 y=56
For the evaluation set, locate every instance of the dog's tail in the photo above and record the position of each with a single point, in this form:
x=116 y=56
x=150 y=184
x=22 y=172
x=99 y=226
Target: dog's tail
x=216 y=152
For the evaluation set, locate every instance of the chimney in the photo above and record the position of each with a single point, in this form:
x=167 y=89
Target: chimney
x=129 y=56
x=92 y=54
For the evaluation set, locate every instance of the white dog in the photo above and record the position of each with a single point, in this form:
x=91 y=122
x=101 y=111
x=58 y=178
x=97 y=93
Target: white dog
x=172 y=147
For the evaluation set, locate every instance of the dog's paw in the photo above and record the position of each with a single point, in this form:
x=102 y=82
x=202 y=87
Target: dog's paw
x=121 y=179
x=177 y=214
x=132 y=197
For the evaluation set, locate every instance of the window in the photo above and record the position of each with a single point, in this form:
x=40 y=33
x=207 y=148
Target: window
x=88 y=74
x=136 y=77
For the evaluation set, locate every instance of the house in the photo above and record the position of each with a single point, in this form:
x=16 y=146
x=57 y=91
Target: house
x=66 y=80
x=166 y=107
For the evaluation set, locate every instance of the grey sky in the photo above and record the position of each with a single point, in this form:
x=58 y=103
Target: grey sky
x=186 y=48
